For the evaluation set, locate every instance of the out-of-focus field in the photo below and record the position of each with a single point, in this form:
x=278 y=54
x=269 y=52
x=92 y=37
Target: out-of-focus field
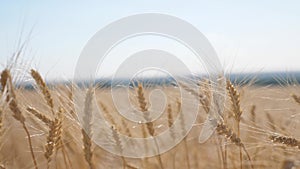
x=266 y=111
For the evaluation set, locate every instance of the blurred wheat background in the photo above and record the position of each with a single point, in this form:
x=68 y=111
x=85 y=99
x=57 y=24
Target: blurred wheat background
x=40 y=127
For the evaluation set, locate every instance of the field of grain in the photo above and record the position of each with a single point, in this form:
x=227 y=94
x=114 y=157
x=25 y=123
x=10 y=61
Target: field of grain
x=40 y=128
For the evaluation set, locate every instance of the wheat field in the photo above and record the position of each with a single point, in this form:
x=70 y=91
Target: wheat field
x=40 y=128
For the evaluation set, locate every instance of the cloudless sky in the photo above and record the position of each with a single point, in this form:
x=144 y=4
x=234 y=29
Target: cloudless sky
x=248 y=36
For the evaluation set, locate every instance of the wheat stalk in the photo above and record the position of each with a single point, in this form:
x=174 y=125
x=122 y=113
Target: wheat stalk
x=170 y=123
x=55 y=126
x=236 y=108
x=6 y=80
x=183 y=131
x=149 y=123
x=228 y=133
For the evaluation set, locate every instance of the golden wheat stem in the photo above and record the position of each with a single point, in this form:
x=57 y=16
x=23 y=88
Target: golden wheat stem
x=235 y=100
x=30 y=145
x=225 y=155
x=228 y=133
x=172 y=132
x=183 y=132
x=13 y=106
x=59 y=141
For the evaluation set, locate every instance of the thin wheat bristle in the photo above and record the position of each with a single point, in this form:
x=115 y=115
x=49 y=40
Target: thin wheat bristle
x=271 y=121
x=111 y=119
x=43 y=87
x=193 y=92
x=288 y=141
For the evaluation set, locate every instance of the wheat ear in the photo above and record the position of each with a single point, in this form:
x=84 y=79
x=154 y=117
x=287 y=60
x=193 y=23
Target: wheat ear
x=39 y=115
x=118 y=145
x=107 y=113
x=183 y=131
x=285 y=140
x=253 y=114
x=6 y=79
x=228 y=133
x=170 y=123
x=44 y=88
x=296 y=98
x=236 y=108
x=87 y=128
x=149 y=123
x=205 y=98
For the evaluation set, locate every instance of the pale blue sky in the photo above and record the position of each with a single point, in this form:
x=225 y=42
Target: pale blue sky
x=248 y=36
